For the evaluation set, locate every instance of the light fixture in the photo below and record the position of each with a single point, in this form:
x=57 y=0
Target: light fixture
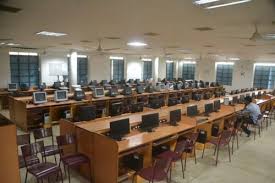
x=23 y=53
x=136 y=44
x=116 y=58
x=146 y=59
x=199 y=2
x=234 y=59
x=225 y=63
x=189 y=62
x=264 y=64
x=2 y=43
x=188 y=58
x=78 y=56
x=12 y=44
x=227 y=4
x=169 y=61
x=54 y=34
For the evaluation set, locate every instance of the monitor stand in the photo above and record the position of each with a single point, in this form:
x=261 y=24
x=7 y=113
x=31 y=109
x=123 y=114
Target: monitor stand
x=116 y=137
x=174 y=124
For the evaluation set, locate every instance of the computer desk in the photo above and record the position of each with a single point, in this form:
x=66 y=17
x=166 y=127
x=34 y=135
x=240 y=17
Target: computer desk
x=106 y=154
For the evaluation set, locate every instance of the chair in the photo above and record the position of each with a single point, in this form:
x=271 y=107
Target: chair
x=223 y=140
x=50 y=150
x=175 y=155
x=39 y=170
x=235 y=133
x=190 y=147
x=23 y=140
x=73 y=159
x=257 y=125
x=158 y=172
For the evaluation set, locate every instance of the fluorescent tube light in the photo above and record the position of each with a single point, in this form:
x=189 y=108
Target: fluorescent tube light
x=13 y=44
x=136 y=44
x=116 y=58
x=264 y=64
x=225 y=63
x=188 y=58
x=23 y=53
x=169 y=61
x=234 y=59
x=146 y=59
x=54 y=34
x=228 y=4
x=2 y=43
x=199 y=2
x=189 y=62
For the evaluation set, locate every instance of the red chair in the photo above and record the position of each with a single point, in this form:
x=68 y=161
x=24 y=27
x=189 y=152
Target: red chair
x=222 y=141
x=39 y=170
x=158 y=172
x=23 y=140
x=175 y=155
x=50 y=150
x=191 y=147
x=73 y=159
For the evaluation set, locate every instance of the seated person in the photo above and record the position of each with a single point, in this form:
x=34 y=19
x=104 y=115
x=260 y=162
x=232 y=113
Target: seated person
x=254 y=112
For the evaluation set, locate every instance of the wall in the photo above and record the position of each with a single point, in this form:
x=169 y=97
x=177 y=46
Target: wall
x=4 y=68
x=99 y=68
x=134 y=68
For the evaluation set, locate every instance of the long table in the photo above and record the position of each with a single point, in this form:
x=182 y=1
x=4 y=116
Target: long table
x=107 y=155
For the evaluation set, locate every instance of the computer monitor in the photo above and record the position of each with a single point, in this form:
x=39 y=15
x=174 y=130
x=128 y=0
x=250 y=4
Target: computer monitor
x=234 y=100
x=104 y=82
x=60 y=95
x=127 y=90
x=24 y=87
x=149 y=89
x=12 y=87
x=172 y=101
x=175 y=117
x=154 y=102
x=226 y=101
x=137 y=81
x=39 y=97
x=99 y=92
x=206 y=84
x=242 y=98
x=149 y=122
x=86 y=113
x=162 y=86
x=56 y=85
x=192 y=110
x=253 y=95
x=119 y=128
x=140 y=89
x=113 y=92
x=217 y=105
x=138 y=107
x=185 y=99
x=116 y=109
x=208 y=108
x=197 y=97
x=79 y=94
x=170 y=86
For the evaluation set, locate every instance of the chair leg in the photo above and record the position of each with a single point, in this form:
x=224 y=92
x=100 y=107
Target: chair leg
x=69 y=175
x=26 y=176
x=217 y=157
x=237 y=137
x=233 y=140
x=203 y=151
x=185 y=159
x=215 y=150
x=55 y=159
x=195 y=155
x=182 y=168
x=229 y=153
x=64 y=166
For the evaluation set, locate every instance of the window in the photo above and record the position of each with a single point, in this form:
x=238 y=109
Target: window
x=24 y=68
x=117 y=69
x=188 y=71
x=82 y=70
x=224 y=73
x=147 y=70
x=169 y=70
x=264 y=76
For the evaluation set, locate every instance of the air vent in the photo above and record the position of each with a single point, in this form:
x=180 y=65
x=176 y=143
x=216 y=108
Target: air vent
x=152 y=34
x=24 y=48
x=203 y=29
x=112 y=38
x=66 y=44
x=208 y=46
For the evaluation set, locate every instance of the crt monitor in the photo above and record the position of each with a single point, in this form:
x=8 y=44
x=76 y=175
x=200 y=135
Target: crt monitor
x=208 y=108
x=39 y=97
x=113 y=92
x=127 y=90
x=140 y=89
x=116 y=109
x=60 y=95
x=192 y=110
x=175 y=117
x=242 y=98
x=217 y=105
x=12 y=87
x=86 y=113
x=99 y=92
x=149 y=121
x=119 y=128
x=79 y=94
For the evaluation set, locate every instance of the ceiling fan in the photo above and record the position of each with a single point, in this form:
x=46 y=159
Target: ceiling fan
x=101 y=51
x=6 y=8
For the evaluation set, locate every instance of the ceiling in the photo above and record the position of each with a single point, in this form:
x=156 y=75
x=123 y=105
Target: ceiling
x=173 y=21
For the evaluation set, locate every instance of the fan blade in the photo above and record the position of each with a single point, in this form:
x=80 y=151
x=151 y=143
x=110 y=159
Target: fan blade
x=111 y=49
x=9 y=9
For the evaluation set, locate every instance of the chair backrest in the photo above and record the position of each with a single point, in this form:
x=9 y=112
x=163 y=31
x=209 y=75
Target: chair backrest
x=42 y=133
x=180 y=147
x=162 y=165
x=23 y=139
x=32 y=149
x=191 y=140
x=225 y=136
x=65 y=140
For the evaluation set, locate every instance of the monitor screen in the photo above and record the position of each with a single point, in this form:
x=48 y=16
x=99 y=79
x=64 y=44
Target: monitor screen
x=192 y=110
x=140 y=89
x=39 y=97
x=208 y=108
x=150 y=121
x=175 y=116
x=171 y=86
x=162 y=86
x=12 y=87
x=116 y=109
x=61 y=95
x=99 y=92
x=86 y=112
x=120 y=127
x=113 y=91
x=127 y=90
x=235 y=100
x=217 y=105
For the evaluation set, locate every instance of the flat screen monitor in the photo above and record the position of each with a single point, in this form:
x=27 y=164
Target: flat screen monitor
x=86 y=112
x=12 y=87
x=162 y=86
x=99 y=92
x=138 y=107
x=217 y=105
x=149 y=121
x=119 y=128
x=60 y=95
x=208 y=108
x=113 y=92
x=149 y=89
x=116 y=109
x=242 y=98
x=104 y=82
x=253 y=95
x=39 y=97
x=57 y=84
x=235 y=100
x=175 y=117
x=192 y=110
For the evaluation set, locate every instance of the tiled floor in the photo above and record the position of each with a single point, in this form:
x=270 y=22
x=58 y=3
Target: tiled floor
x=253 y=163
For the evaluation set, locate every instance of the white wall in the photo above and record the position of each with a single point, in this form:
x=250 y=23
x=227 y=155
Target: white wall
x=134 y=68
x=4 y=68
x=99 y=67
